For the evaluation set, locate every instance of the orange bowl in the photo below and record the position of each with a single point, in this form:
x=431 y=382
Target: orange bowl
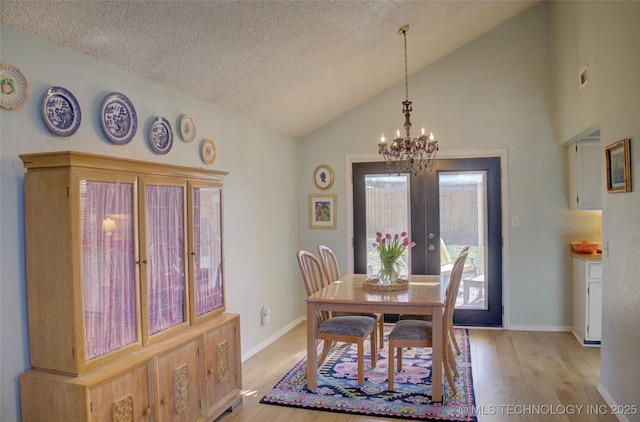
x=586 y=248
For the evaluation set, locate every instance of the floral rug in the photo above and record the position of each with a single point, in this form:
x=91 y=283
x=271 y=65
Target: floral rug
x=338 y=389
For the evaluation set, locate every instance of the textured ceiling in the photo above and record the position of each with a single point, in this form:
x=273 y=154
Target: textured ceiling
x=290 y=65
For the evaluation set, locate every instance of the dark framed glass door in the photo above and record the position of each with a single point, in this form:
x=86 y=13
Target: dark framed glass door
x=457 y=204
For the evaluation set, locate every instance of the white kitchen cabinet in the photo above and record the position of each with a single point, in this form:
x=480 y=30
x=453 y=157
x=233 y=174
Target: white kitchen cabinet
x=585 y=181
x=587 y=298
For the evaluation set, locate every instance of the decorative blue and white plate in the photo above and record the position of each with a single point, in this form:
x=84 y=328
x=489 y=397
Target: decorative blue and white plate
x=118 y=118
x=160 y=135
x=60 y=111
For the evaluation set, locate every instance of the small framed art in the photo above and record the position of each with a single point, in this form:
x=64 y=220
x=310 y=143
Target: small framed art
x=323 y=177
x=618 y=166
x=322 y=211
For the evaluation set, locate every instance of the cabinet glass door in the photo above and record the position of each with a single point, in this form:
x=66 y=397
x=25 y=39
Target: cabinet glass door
x=206 y=249
x=164 y=228
x=108 y=266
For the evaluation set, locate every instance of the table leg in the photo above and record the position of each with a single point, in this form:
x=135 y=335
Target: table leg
x=312 y=349
x=436 y=368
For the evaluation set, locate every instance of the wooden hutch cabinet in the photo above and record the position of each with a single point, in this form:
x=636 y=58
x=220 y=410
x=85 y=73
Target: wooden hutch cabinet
x=125 y=292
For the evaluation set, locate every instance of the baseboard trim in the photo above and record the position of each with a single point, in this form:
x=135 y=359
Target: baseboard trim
x=612 y=403
x=551 y=328
x=271 y=339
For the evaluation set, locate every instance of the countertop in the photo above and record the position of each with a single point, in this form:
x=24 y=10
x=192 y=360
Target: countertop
x=587 y=257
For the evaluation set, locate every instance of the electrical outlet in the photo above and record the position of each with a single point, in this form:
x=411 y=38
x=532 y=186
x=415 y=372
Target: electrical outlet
x=515 y=221
x=265 y=315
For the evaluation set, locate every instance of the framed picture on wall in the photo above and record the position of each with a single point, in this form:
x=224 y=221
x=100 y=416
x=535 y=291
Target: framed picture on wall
x=322 y=211
x=618 y=166
x=323 y=177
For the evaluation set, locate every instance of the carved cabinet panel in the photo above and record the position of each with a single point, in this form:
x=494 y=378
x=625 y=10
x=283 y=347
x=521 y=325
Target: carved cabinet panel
x=125 y=399
x=223 y=369
x=178 y=380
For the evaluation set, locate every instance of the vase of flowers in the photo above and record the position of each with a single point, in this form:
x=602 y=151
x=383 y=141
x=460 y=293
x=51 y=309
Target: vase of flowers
x=391 y=250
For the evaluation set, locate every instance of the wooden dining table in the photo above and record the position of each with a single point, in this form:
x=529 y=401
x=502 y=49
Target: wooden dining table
x=425 y=296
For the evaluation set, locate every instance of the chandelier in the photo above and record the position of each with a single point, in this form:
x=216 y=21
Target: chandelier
x=406 y=154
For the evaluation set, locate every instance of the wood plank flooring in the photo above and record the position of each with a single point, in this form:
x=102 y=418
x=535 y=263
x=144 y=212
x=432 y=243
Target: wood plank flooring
x=518 y=376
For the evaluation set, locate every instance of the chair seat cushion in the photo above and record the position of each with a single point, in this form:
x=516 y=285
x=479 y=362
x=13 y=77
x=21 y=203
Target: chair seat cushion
x=347 y=325
x=412 y=330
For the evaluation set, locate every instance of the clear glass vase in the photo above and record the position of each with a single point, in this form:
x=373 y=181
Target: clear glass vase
x=389 y=272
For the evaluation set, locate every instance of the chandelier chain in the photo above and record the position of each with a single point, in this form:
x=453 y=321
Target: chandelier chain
x=406 y=66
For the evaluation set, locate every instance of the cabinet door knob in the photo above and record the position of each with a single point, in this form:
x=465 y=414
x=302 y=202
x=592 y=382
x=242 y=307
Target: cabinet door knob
x=163 y=402
x=148 y=411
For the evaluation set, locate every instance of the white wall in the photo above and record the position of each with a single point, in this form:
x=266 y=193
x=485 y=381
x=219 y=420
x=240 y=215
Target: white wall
x=494 y=93
x=605 y=35
x=261 y=190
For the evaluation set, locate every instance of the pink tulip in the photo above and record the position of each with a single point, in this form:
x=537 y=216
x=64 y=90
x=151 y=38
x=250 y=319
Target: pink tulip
x=378 y=234
x=403 y=234
x=388 y=236
x=406 y=241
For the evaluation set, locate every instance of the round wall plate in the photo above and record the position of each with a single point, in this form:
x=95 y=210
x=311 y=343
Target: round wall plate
x=14 y=89
x=208 y=151
x=61 y=111
x=118 y=118
x=160 y=135
x=187 y=128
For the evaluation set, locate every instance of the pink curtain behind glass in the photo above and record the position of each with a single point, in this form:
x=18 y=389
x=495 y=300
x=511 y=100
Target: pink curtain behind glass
x=165 y=243
x=208 y=249
x=108 y=274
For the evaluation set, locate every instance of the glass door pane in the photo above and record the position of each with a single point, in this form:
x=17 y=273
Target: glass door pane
x=463 y=206
x=207 y=250
x=165 y=249
x=456 y=204
x=387 y=211
x=108 y=267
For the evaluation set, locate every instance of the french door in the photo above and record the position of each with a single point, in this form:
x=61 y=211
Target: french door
x=455 y=205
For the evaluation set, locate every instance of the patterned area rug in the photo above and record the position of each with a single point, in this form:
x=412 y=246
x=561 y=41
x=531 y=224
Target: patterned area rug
x=338 y=389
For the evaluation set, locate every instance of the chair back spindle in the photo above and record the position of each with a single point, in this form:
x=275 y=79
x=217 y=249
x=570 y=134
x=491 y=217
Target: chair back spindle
x=312 y=274
x=329 y=263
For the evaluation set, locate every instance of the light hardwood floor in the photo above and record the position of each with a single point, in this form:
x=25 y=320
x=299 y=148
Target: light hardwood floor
x=519 y=376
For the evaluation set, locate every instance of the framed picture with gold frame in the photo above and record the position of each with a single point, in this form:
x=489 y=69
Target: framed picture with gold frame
x=322 y=211
x=618 y=166
x=323 y=177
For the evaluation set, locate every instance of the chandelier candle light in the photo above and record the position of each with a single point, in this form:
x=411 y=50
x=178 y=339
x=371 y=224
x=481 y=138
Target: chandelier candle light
x=404 y=154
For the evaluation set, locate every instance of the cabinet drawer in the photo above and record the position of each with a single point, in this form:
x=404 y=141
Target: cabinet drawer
x=594 y=270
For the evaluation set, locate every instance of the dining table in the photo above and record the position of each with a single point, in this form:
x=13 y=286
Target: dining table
x=425 y=295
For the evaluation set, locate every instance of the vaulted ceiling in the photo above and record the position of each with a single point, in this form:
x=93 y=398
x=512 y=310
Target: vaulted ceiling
x=289 y=65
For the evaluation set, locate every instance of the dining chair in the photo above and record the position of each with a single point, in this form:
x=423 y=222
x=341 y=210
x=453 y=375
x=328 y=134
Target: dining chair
x=428 y=317
x=419 y=333
x=332 y=273
x=348 y=328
